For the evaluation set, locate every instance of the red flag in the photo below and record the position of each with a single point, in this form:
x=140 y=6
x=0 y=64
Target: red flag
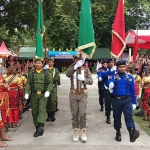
x=118 y=31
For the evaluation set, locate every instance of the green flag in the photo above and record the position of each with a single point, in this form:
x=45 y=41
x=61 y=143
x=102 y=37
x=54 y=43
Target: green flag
x=86 y=40
x=39 y=31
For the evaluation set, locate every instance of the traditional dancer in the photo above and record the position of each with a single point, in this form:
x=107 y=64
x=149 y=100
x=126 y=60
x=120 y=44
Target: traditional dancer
x=4 y=111
x=15 y=84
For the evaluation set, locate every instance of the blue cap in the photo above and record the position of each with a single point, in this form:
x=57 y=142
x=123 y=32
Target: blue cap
x=121 y=62
x=104 y=61
x=109 y=60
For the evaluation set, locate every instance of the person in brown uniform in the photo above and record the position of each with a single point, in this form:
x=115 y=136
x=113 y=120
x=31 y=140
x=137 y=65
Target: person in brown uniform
x=78 y=98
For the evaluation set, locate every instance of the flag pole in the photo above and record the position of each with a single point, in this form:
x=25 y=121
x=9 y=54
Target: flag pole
x=44 y=43
x=79 y=83
x=45 y=49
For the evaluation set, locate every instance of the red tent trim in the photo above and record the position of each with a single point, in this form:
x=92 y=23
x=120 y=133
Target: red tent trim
x=138 y=41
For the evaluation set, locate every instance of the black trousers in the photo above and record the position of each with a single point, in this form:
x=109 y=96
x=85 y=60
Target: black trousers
x=108 y=102
x=101 y=93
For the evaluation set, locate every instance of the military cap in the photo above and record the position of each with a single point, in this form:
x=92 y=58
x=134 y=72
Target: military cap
x=39 y=59
x=104 y=61
x=121 y=62
x=109 y=60
x=51 y=59
x=77 y=56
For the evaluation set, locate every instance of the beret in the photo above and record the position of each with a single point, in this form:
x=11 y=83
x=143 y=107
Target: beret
x=121 y=62
x=51 y=59
x=39 y=59
x=78 y=56
x=104 y=61
x=109 y=60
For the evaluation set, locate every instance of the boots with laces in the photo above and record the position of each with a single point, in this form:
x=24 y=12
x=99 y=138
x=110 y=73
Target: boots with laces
x=83 y=135
x=76 y=135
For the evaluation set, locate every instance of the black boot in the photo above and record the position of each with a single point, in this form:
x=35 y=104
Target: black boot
x=48 y=117
x=108 y=120
x=102 y=108
x=118 y=135
x=134 y=134
x=36 y=134
x=53 y=116
x=39 y=130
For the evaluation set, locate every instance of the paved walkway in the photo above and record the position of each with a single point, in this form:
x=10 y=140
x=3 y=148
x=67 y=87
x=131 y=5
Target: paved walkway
x=58 y=135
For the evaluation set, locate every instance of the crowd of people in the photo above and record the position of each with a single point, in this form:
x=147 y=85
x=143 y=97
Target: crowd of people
x=122 y=88
x=140 y=72
x=22 y=86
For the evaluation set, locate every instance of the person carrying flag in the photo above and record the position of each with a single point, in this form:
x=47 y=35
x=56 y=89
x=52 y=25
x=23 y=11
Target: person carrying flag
x=78 y=99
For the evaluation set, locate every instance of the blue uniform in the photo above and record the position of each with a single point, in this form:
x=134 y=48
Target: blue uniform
x=108 y=96
x=123 y=98
x=101 y=87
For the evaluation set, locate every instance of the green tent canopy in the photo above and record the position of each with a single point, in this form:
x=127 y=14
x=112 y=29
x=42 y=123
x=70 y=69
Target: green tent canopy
x=101 y=53
x=27 y=52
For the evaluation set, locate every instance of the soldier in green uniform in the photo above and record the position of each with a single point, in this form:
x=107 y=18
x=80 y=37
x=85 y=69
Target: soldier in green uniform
x=39 y=83
x=52 y=100
x=58 y=87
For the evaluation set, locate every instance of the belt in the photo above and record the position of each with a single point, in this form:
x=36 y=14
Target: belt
x=82 y=91
x=38 y=92
x=121 y=97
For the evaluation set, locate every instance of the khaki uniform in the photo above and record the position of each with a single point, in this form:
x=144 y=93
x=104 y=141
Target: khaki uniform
x=78 y=101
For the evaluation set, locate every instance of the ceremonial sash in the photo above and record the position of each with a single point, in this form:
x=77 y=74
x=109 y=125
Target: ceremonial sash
x=10 y=80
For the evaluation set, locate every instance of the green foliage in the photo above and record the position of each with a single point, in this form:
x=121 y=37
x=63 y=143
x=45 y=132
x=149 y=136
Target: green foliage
x=141 y=123
x=94 y=69
x=61 y=18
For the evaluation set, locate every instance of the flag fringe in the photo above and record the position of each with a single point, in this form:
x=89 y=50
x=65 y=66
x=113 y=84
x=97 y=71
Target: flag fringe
x=124 y=45
x=80 y=48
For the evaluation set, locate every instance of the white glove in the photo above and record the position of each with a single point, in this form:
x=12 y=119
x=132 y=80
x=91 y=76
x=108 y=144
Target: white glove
x=134 y=106
x=46 y=66
x=83 y=59
x=113 y=69
x=110 y=90
x=78 y=64
x=100 y=79
x=111 y=85
x=47 y=93
x=26 y=96
x=81 y=77
x=59 y=87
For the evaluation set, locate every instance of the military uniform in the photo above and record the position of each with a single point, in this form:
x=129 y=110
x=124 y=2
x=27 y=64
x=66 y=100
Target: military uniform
x=52 y=100
x=123 y=101
x=38 y=83
x=107 y=94
x=78 y=100
x=101 y=86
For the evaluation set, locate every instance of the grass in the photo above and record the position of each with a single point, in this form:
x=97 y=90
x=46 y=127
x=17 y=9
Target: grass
x=141 y=123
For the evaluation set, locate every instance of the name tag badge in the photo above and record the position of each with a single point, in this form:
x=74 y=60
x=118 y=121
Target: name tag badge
x=109 y=77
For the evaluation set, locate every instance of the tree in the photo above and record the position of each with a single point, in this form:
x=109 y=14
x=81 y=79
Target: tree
x=61 y=18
